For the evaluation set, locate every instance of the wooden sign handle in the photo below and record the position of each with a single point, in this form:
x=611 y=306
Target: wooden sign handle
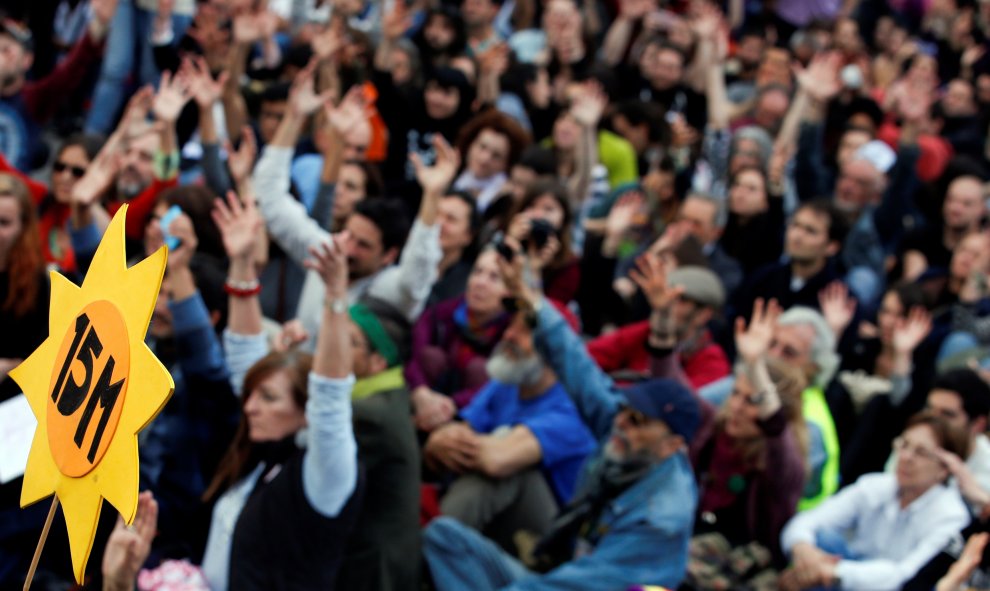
x=41 y=544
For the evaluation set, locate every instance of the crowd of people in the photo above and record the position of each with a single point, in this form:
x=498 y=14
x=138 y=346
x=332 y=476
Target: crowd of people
x=506 y=294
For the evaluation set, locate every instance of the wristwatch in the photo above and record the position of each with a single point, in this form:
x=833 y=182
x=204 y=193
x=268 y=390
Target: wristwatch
x=337 y=305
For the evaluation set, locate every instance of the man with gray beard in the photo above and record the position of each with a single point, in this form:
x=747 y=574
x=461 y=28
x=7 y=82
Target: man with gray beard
x=631 y=519
x=519 y=448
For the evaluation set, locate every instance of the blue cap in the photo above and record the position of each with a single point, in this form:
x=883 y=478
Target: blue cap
x=669 y=401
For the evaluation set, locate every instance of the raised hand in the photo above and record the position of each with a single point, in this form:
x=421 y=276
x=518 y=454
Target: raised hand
x=494 y=61
x=135 y=117
x=910 y=331
x=671 y=238
x=707 y=21
x=327 y=43
x=251 y=27
x=128 y=546
x=202 y=87
x=435 y=179
x=99 y=176
x=821 y=78
x=838 y=307
x=396 y=22
x=513 y=270
x=173 y=94
x=303 y=99
x=651 y=277
x=349 y=113
x=753 y=342
x=589 y=104
x=624 y=213
x=329 y=260
x=240 y=225
x=240 y=162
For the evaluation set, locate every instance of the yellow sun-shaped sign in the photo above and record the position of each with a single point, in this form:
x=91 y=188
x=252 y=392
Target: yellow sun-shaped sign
x=93 y=385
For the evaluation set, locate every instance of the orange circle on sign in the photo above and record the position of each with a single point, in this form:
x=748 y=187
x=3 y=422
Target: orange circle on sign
x=86 y=393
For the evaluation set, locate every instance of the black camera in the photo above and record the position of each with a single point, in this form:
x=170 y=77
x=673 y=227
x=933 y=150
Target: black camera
x=540 y=232
x=504 y=250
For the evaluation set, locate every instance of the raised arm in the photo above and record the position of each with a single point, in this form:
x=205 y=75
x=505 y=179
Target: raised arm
x=330 y=465
x=587 y=109
x=594 y=393
x=708 y=26
x=422 y=254
x=619 y=34
x=244 y=341
x=287 y=220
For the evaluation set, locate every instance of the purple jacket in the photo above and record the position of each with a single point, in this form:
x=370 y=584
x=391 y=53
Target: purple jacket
x=446 y=356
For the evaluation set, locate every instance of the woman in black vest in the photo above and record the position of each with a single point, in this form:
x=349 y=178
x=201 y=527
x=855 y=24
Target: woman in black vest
x=288 y=489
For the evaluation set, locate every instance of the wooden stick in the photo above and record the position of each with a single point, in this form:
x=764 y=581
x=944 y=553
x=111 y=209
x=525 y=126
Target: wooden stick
x=41 y=544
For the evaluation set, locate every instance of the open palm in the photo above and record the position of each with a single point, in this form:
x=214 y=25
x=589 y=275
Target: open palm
x=438 y=177
x=239 y=224
x=754 y=341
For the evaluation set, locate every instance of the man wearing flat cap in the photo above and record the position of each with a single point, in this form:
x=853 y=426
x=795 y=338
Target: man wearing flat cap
x=631 y=519
x=624 y=354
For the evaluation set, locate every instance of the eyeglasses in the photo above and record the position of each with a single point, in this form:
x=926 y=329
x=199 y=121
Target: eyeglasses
x=77 y=171
x=902 y=446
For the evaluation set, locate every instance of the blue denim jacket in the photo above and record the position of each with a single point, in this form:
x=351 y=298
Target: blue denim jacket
x=642 y=536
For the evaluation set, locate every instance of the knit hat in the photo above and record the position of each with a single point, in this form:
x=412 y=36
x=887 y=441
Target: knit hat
x=669 y=401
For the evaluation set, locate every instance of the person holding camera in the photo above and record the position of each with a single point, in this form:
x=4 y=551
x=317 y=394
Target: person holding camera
x=542 y=222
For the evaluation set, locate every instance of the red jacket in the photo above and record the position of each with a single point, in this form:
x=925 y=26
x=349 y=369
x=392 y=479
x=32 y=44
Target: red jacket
x=625 y=349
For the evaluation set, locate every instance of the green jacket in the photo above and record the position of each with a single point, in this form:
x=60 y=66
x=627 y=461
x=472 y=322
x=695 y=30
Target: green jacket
x=383 y=551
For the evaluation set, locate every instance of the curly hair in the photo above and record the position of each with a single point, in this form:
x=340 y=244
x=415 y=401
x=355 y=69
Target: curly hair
x=501 y=124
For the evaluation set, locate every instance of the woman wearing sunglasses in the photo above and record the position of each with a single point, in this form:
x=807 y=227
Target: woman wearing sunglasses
x=71 y=162
x=55 y=201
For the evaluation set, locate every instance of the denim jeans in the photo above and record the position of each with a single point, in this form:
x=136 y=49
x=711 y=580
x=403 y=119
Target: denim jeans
x=128 y=63
x=461 y=558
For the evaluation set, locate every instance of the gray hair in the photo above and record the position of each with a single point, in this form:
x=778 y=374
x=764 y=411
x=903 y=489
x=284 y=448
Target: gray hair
x=757 y=135
x=721 y=212
x=822 y=348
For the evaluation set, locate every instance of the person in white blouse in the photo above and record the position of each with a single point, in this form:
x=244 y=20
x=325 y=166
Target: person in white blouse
x=876 y=533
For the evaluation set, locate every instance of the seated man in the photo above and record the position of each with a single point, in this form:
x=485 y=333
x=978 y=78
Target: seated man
x=876 y=534
x=702 y=359
x=519 y=449
x=631 y=522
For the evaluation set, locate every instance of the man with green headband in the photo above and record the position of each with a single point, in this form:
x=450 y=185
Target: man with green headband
x=387 y=533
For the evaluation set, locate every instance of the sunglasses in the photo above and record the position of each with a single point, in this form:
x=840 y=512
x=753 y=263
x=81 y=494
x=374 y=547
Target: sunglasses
x=635 y=418
x=77 y=171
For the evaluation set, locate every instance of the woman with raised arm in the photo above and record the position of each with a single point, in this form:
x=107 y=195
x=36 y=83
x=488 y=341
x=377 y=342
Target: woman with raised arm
x=287 y=493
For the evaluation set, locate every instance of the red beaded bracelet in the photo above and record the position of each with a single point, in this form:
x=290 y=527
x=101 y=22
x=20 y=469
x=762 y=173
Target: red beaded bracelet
x=242 y=289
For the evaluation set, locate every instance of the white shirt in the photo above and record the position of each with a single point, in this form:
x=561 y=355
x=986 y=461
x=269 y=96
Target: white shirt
x=979 y=461
x=330 y=469
x=405 y=286
x=894 y=543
